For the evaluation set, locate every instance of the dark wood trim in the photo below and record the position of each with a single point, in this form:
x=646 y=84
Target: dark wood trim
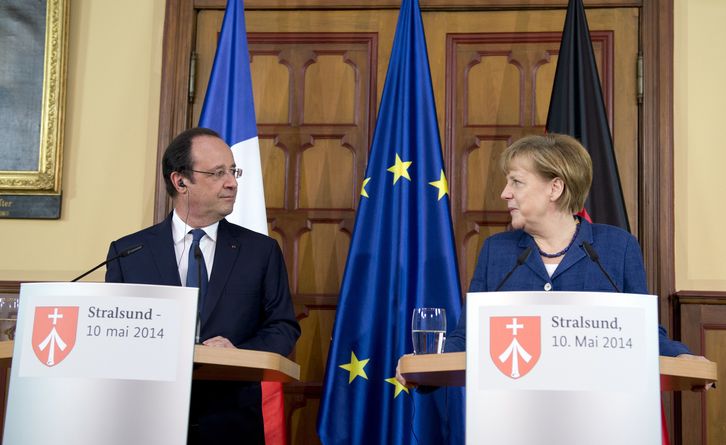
x=173 y=103
x=695 y=312
x=655 y=188
x=656 y=157
x=699 y=297
x=426 y=5
x=9 y=287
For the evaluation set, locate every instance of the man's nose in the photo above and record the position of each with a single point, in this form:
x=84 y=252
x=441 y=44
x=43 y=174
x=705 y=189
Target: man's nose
x=230 y=181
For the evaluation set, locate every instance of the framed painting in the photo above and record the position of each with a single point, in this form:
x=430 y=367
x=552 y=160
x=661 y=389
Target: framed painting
x=33 y=44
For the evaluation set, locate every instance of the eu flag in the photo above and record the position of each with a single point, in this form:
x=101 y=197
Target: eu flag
x=401 y=256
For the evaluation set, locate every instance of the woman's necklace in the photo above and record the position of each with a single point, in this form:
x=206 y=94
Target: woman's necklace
x=563 y=251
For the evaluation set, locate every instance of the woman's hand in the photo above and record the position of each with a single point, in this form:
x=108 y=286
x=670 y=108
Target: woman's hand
x=400 y=378
x=699 y=388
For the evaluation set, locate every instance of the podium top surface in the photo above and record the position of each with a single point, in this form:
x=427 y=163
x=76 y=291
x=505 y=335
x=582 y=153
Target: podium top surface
x=449 y=369
x=242 y=364
x=220 y=364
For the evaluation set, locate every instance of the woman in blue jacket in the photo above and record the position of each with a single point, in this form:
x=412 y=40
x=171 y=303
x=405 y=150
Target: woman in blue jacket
x=548 y=179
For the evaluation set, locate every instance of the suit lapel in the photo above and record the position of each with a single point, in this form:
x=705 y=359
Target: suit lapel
x=161 y=244
x=225 y=256
x=534 y=262
x=576 y=252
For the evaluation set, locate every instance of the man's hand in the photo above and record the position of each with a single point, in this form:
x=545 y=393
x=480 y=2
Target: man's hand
x=218 y=342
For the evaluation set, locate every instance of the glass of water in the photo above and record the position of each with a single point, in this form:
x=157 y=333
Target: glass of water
x=428 y=330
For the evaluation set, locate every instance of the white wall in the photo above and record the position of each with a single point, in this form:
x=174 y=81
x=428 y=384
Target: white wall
x=109 y=160
x=109 y=165
x=700 y=150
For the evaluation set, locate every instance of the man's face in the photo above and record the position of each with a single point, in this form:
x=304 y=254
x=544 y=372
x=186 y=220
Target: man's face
x=209 y=198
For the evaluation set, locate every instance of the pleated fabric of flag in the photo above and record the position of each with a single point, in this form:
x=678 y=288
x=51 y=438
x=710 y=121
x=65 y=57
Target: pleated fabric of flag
x=577 y=109
x=401 y=256
x=230 y=111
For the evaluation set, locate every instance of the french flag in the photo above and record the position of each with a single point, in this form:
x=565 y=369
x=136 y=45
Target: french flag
x=230 y=111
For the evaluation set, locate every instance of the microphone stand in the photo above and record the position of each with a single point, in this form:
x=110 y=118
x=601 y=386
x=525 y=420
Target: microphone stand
x=125 y=253
x=521 y=259
x=596 y=259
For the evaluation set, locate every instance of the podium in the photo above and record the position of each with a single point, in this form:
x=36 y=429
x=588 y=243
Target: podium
x=209 y=364
x=676 y=374
x=560 y=367
x=113 y=363
x=217 y=364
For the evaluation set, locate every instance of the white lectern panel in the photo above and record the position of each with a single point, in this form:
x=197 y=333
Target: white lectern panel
x=101 y=363
x=562 y=368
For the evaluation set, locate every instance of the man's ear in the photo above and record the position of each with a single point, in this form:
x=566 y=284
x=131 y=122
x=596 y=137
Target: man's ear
x=178 y=181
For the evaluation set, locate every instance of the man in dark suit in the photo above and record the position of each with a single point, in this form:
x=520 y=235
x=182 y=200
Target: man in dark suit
x=245 y=294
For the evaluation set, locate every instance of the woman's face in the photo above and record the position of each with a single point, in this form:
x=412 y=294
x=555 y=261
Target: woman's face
x=530 y=197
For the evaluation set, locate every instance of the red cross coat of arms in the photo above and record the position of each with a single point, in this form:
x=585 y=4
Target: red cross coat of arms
x=54 y=333
x=514 y=344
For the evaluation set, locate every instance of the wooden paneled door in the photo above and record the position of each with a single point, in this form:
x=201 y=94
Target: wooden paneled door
x=318 y=77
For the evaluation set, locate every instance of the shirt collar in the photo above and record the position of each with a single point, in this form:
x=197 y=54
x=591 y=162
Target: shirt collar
x=179 y=229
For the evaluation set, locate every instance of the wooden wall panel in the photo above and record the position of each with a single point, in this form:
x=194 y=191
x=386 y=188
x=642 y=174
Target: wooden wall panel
x=273 y=161
x=544 y=78
x=289 y=50
x=473 y=244
x=271 y=88
x=314 y=100
x=491 y=78
x=322 y=251
x=715 y=402
x=498 y=87
x=702 y=326
x=484 y=180
x=327 y=179
x=330 y=90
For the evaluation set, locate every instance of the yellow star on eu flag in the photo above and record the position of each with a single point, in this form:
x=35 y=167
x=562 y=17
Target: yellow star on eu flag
x=363 y=191
x=355 y=367
x=398 y=386
x=399 y=169
x=442 y=184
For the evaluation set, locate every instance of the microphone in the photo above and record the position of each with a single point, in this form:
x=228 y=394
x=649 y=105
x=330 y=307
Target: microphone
x=521 y=259
x=200 y=258
x=125 y=253
x=596 y=259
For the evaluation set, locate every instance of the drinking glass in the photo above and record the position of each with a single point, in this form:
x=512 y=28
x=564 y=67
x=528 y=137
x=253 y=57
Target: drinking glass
x=428 y=330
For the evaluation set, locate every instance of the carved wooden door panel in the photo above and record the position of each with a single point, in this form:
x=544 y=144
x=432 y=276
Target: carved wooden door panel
x=498 y=86
x=315 y=101
x=317 y=79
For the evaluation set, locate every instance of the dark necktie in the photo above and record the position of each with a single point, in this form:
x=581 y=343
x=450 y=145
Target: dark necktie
x=192 y=269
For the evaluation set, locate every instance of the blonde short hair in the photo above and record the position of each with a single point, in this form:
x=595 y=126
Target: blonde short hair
x=556 y=156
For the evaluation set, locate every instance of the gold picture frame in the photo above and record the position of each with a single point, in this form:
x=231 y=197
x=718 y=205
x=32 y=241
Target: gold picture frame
x=36 y=193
